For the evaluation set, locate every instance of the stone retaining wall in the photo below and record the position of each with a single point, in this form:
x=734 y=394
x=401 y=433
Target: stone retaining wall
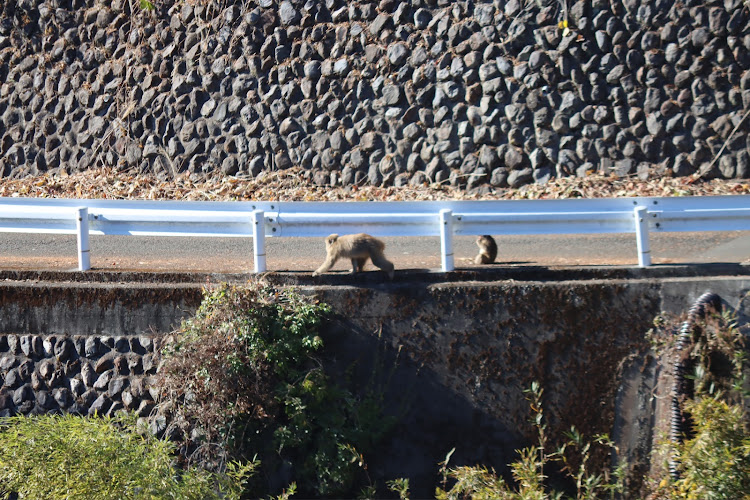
x=77 y=374
x=473 y=93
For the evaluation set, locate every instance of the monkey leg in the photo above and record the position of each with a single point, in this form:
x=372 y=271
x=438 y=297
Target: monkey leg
x=482 y=259
x=325 y=266
x=358 y=264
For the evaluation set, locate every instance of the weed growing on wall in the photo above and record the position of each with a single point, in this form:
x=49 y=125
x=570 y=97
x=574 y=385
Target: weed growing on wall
x=74 y=457
x=713 y=460
x=717 y=352
x=715 y=463
x=242 y=379
x=720 y=355
x=479 y=483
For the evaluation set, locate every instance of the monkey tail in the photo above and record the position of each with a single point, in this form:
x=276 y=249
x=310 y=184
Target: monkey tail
x=384 y=264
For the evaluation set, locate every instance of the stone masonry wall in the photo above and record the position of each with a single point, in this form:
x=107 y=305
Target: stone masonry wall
x=473 y=93
x=77 y=374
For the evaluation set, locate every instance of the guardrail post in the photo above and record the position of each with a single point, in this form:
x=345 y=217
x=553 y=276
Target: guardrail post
x=446 y=239
x=82 y=233
x=640 y=214
x=259 y=241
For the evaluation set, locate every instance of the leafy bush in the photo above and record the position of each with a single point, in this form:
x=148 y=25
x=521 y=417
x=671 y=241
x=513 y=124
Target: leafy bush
x=225 y=361
x=75 y=457
x=716 y=462
x=243 y=373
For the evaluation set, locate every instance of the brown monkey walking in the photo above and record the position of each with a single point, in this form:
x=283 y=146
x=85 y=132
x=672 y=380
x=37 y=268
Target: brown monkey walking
x=487 y=250
x=358 y=248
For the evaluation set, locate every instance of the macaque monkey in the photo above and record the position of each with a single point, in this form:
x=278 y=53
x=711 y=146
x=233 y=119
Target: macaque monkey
x=487 y=250
x=358 y=248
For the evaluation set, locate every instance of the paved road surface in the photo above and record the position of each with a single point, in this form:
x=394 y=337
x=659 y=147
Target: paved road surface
x=231 y=255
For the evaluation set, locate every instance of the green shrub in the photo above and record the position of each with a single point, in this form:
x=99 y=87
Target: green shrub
x=716 y=462
x=226 y=363
x=75 y=457
x=720 y=354
x=244 y=373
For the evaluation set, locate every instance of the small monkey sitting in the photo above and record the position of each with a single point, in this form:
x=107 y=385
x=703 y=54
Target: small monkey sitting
x=358 y=248
x=487 y=250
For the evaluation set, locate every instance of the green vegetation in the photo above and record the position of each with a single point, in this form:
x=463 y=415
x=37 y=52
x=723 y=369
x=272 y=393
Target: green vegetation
x=479 y=483
x=399 y=486
x=715 y=463
x=720 y=355
x=74 y=457
x=243 y=375
x=714 y=459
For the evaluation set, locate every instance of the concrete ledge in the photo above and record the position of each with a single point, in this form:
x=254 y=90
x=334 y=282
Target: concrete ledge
x=133 y=303
x=489 y=273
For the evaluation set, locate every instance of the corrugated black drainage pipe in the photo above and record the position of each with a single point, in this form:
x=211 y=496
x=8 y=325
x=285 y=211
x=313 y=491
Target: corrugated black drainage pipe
x=682 y=386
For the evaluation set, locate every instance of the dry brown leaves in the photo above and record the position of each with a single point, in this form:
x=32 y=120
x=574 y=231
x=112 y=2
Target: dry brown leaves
x=290 y=185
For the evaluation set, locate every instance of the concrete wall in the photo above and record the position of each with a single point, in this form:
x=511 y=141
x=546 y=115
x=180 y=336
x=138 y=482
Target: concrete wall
x=466 y=351
x=453 y=357
x=94 y=308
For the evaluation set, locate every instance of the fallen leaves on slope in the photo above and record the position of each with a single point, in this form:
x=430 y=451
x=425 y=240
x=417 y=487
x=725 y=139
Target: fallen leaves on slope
x=290 y=185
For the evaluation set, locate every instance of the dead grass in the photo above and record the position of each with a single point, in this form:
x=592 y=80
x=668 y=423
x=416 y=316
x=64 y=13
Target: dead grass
x=290 y=185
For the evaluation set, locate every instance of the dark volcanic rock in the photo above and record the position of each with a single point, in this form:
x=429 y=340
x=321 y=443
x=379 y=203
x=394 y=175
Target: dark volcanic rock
x=238 y=92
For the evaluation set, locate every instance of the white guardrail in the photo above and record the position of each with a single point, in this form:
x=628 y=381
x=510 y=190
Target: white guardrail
x=319 y=219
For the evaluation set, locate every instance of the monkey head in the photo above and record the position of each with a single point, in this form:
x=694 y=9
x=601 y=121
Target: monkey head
x=331 y=239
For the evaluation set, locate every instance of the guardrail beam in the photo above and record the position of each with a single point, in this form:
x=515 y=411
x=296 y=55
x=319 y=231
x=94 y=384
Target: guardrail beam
x=381 y=219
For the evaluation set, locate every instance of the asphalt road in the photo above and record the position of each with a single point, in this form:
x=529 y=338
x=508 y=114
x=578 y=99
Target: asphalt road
x=233 y=255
